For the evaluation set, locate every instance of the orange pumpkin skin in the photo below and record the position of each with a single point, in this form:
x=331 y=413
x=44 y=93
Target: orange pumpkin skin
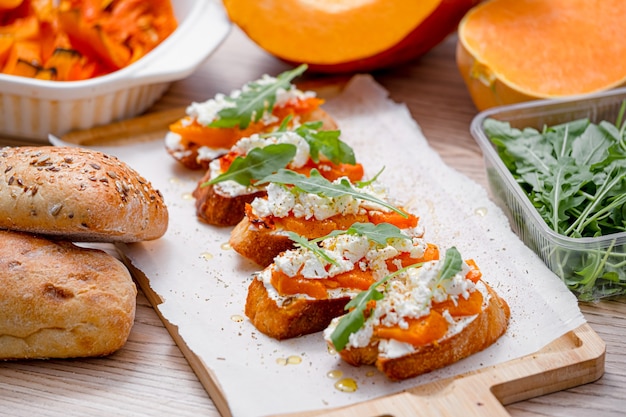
x=442 y=22
x=420 y=37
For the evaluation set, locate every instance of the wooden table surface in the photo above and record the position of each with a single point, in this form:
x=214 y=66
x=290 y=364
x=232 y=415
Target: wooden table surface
x=150 y=376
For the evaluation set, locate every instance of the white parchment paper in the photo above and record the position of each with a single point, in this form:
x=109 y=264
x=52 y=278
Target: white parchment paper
x=203 y=282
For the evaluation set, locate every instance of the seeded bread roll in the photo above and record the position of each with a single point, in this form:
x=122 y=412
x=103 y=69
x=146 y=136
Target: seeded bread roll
x=77 y=194
x=59 y=300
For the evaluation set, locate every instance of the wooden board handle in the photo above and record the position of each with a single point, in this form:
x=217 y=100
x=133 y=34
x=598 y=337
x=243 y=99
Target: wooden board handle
x=574 y=359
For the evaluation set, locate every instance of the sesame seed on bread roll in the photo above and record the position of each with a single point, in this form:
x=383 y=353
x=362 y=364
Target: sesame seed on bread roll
x=77 y=194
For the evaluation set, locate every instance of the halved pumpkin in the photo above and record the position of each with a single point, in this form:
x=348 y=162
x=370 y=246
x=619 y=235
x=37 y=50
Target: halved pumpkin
x=9 y=4
x=347 y=35
x=511 y=51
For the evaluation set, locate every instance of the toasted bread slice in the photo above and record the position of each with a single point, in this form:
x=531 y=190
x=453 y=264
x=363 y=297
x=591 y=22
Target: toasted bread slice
x=301 y=291
x=261 y=244
x=258 y=243
x=209 y=129
x=296 y=316
x=197 y=156
x=217 y=208
x=479 y=334
x=229 y=182
x=480 y=331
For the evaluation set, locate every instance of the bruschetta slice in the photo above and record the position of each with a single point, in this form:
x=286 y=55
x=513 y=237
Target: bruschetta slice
x=211 y=128
x=420 y=319
x=310 y=206
x=231 y=180
x=306 y=287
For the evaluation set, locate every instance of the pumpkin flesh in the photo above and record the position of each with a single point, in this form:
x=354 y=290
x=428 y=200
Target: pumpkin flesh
x=517 y=50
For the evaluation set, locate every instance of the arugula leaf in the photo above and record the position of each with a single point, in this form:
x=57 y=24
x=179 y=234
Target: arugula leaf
x=326 y=142
x=312 y=246
x=452 y=264
x=355 y=319
x=317 y=184
x=255 y=100
x=258 y=163
x=379 y=233
x=362 y=184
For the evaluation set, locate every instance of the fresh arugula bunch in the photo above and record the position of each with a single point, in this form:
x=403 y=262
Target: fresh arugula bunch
x=575 y=176
x=255 y=100
x=379 y=233
x=355 y=319
x=317 y=184
x=574 y=173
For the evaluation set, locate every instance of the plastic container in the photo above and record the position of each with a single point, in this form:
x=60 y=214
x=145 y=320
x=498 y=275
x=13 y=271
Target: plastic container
x=592 y=268
x=32 y=109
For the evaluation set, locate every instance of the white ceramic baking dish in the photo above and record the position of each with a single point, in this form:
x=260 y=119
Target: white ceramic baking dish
x=33 y=109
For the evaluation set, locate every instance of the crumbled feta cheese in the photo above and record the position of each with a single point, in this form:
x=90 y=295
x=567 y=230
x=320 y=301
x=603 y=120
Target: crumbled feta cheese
x=410 y=296
x=206 y=112
x=347 y=251
x=173 y=141
x=279 y=202
x=208 y=154
x=244 y=146
x=305 y=205
x=393 y=349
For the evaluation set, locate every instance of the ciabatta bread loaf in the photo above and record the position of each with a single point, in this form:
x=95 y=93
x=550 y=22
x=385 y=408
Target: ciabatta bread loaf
x=77 y=194
x=425 y=320
x=59 y=300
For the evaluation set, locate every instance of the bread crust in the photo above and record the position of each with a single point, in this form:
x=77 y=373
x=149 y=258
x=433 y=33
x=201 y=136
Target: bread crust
x=218 y=209
x=257 y=242
x=476 y=336
x=77 y=194
x=297 y=317
x=59 y=300
x=189 y=156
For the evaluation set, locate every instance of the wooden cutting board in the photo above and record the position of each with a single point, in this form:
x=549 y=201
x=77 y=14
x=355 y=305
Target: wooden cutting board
x=571 y=360
x=574 y=359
